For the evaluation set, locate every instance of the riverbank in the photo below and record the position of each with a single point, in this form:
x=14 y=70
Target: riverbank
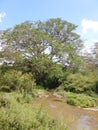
x=17 y=112
x=76 y=118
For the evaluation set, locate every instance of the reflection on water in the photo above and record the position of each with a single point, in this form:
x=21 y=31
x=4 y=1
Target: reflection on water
x=76 y=118
x=83 y=123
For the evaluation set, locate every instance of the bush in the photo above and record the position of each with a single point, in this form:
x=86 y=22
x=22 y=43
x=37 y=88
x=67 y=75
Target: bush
x=13 y=80
x=25 y=117
x=81 y=100
x=79 y=83
x=4 y=101
x=27 y=99
x=75 y=99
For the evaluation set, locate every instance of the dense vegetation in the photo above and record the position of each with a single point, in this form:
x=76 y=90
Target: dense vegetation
x=22 y=116
x=44 y=55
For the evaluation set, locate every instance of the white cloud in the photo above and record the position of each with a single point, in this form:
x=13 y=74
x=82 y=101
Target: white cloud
x=89 y=24
x=2 y=15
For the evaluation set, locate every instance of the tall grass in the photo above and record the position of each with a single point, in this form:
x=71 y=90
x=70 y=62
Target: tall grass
x=17 y=116
x=81 y=100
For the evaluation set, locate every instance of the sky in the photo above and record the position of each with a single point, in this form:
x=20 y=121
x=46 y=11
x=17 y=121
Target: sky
x=83 y=13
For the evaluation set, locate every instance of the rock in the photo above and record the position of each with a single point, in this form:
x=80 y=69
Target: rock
x=91 y=109
x=56 y=95
x=46 y=96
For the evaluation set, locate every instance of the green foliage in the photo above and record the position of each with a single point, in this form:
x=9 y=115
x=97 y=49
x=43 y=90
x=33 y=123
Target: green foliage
x=47 y=73
x=80 y=83
x=6 y=99
x=41 y=48
x=25 y=99
x=53 y=76
x=16 y=81
x=16 y=116
x=81 y=100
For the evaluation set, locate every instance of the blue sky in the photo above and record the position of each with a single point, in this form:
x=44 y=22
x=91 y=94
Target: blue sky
x=83 y=13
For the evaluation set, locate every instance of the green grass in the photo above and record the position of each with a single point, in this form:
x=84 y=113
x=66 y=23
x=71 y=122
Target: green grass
x=15 y=115
x=81 y=100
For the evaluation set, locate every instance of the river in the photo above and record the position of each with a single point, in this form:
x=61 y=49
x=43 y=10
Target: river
x=76 y=118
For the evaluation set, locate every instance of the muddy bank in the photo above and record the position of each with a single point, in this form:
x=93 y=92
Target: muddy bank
x=76 y=118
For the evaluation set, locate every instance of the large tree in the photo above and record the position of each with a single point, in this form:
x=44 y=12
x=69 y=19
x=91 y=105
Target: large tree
x=55 y=38
x=40 y=45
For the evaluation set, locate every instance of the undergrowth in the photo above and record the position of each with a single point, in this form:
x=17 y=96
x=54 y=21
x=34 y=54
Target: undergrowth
x=15 y=115
x=81 y=100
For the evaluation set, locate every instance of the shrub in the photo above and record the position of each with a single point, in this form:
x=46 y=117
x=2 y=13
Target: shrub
x=14 y=80
x=81 y=100
x=79 y=83
x=27 y=99
x=75 y=99
x=25 y=117
x=4 y=102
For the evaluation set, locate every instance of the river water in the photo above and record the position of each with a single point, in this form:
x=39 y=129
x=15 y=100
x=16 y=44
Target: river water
x=76 y=118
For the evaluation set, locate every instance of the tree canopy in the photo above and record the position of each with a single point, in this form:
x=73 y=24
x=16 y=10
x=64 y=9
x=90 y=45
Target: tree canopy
x=55 y=38
x=42 y=48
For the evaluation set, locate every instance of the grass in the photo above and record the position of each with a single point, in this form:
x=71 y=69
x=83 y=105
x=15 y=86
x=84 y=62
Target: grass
x=81 y=100
x=15 y=115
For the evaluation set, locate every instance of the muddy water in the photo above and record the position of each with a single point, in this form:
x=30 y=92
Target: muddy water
x=76 y=118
